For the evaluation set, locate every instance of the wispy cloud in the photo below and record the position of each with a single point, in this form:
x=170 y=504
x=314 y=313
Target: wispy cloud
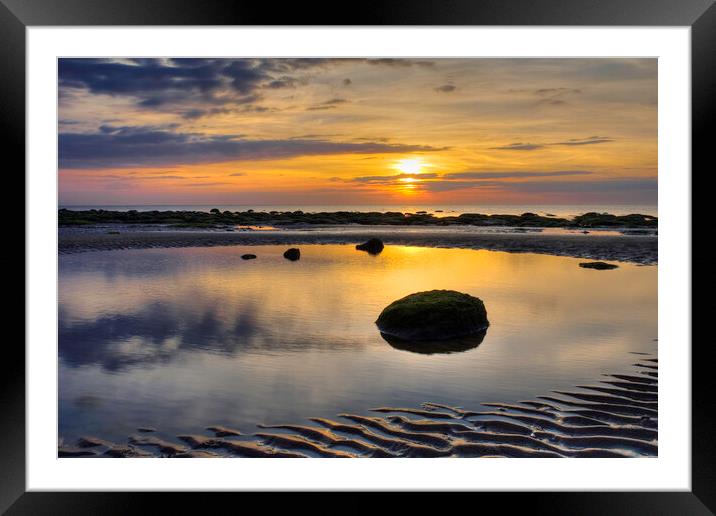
x=519 y=146
x=393 y=179
x=515 y=174
x=328 y=104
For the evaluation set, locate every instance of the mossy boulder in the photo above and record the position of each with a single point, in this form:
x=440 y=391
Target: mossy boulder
x=372 y=246
x=433 y=316
x=292 y=254
x=600 y=266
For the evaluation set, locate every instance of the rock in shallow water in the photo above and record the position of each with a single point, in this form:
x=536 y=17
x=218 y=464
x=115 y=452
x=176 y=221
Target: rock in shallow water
x=292 y=254
x=248 y=256
x=434 y=315
x=372 y=246
x=600 y=266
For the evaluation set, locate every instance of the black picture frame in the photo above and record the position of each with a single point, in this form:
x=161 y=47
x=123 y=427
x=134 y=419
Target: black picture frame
x=700 y=15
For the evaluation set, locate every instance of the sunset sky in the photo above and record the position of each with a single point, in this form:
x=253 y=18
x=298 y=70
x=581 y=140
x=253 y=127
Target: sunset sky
x=357 y=131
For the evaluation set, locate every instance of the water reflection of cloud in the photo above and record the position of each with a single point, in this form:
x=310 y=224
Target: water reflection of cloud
x=159 y=333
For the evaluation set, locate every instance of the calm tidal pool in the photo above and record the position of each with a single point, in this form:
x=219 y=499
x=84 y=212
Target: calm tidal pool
x=179 y=339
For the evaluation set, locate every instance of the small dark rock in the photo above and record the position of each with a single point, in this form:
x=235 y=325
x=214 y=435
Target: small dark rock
x=292 y=254
x=600 y=266
x=248 y=256
x=372 y=246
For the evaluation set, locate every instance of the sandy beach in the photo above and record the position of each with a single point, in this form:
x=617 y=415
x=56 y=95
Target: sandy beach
x=616 y=417
x=639 y=249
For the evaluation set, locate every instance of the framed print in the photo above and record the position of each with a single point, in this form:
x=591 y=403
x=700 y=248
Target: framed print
x=426 y=237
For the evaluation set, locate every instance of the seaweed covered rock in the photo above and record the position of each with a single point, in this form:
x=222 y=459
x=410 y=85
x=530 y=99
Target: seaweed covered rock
x=433 y=315
x=372 y=246
x=600 y=266
x=292 y=254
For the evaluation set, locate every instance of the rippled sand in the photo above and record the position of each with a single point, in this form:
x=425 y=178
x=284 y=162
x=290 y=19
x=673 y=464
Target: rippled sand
x=618 y=417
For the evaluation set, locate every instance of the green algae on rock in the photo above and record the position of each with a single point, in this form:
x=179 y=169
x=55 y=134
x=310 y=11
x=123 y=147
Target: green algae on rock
x=433 y=315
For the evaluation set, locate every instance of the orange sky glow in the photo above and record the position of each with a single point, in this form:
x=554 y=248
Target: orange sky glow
x=357 y=131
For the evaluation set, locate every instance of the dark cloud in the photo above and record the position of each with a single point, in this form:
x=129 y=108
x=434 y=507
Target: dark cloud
x=645 y=188
x=553 y=102
x=433 y=182
x=446 y=88
x=329 y=104
x=519 y=146
x=515 y=174
x=158 y=146
x=243 y=105
x=149 y=75
x=320 y=107
x=592 y=140
x=600 y=186
x=282 y=82
x=556 y=91
x=400 y=62
x=160 y=83
x=550 y=96
x=394 y=179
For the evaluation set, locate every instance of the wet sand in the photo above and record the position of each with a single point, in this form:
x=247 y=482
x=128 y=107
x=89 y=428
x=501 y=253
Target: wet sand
x=627 y=248
x=621 y=421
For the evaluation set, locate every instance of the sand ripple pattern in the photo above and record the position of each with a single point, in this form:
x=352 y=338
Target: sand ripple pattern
x=616 y=417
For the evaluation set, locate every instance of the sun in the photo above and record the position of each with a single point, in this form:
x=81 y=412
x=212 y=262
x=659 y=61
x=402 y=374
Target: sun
x=410 y=166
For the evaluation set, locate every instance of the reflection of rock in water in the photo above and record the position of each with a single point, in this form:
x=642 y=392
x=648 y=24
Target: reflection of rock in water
x=430 y=347
x=618 y=422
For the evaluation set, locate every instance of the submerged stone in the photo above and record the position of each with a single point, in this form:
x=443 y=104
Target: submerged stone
x=248 y=256
x=435 y=315
x=600 y=266
x=292 y=254
x=372 y=246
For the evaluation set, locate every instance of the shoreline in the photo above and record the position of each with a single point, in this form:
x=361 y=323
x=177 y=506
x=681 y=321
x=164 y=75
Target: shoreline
x=216 y=219
x=639 y=249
